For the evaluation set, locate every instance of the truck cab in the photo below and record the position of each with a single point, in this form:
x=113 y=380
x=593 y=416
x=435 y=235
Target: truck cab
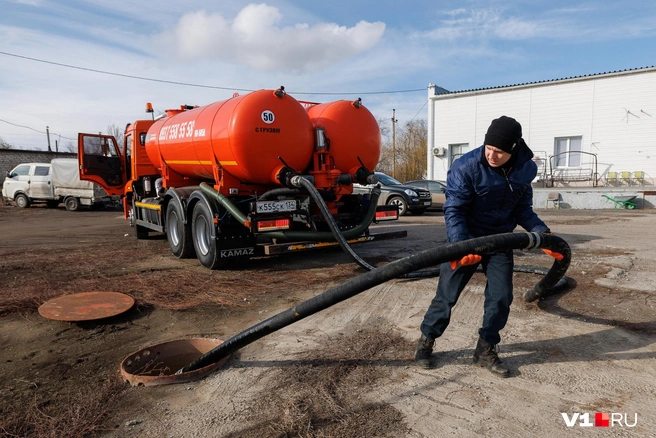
x=28 y=183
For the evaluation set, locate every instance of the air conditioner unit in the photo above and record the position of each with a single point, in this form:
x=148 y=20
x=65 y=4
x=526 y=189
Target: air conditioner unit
x=439 y=152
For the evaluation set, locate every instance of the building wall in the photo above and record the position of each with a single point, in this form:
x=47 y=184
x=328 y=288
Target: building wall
x=10 y=158
x=615 y=114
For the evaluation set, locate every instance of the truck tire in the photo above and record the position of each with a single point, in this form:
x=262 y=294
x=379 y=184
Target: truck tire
x=72 y=203
x=22 y=201
x=202 y=222
x=178 y=233
x=400 y=203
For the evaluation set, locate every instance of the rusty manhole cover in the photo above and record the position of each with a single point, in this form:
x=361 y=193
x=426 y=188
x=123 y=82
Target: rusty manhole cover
x=86 y=306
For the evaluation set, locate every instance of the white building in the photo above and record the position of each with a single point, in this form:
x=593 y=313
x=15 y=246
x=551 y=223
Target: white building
x=597 y=130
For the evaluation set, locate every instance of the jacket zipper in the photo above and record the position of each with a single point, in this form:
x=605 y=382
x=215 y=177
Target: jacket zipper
x=507 y=180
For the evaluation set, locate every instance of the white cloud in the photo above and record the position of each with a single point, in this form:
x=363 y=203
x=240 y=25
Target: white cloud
x=583 y=22
x=255 y=39
x=486 y=24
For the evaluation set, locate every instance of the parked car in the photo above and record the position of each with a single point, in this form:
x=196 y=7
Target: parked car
x=436 y=188
x=407 y=198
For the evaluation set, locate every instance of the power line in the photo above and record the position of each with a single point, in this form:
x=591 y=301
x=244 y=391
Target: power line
x=422 y=107
x=186 y=84
x=35 y=130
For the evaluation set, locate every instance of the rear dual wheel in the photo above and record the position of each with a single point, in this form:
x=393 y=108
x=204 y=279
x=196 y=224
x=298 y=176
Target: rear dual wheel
x=178 y=233
x=202 y=222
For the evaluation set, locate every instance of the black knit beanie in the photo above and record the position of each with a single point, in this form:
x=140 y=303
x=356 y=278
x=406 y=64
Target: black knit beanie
x=504 y=134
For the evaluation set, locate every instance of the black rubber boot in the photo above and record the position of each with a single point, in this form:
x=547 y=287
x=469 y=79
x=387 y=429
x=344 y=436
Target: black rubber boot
x=424 y=352
x=486 y=356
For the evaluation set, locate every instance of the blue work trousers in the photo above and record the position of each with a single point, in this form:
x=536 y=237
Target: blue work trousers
x=498 y=268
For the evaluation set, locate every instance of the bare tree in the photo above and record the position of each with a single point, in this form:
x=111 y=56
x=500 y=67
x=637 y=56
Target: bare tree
x=385 y=160
x=410 y=146
x=117 y=133
x=69 y=147
x=413 y=143
x=385 y=129
x=5 y=145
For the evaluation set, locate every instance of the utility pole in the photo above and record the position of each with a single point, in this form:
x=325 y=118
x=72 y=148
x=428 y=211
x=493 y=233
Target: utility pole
x=48 y=135
x=394 y=143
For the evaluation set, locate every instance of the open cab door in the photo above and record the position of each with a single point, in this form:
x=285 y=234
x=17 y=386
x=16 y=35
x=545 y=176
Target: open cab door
x=101 y=162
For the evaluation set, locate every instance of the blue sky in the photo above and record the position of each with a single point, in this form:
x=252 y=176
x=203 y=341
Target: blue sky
x=198 y=52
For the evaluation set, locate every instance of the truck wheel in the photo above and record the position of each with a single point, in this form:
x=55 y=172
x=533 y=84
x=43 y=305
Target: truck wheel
x=22 y=201
x=72 y=203
x=202 y=222
x=400 y=203
x=177 y=232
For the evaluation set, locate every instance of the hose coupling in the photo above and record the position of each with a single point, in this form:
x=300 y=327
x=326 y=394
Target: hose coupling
x=534 y=240
x=295 y=181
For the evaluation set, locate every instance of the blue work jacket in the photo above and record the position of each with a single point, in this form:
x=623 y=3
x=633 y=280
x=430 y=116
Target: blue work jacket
x=482 y=201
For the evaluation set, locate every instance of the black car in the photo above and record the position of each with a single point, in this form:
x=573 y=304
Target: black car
x=407 y=198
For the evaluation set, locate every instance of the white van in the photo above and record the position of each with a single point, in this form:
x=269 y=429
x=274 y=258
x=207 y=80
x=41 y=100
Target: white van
x=28 y=182
x=52 y=183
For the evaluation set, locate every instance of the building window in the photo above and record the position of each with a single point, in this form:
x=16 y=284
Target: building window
x=568 y=151
x=457 y=150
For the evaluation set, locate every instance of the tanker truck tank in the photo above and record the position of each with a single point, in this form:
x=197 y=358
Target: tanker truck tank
x=352 y=132
x=247 y=136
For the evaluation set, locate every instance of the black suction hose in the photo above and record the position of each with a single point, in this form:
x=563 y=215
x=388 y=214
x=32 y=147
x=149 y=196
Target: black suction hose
x=395 y=269
x=281 y=191
x=530 y=296
x=297 y=235
x=334 y=228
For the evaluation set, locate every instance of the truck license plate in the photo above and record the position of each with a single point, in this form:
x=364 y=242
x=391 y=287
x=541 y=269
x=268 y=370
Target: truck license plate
x=275 y=206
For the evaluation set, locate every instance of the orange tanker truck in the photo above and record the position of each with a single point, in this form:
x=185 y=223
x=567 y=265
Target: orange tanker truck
x=257 y=174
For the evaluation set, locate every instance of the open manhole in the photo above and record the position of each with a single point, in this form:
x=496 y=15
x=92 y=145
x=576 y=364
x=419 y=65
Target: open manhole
x=157 y=365
x=86 y=306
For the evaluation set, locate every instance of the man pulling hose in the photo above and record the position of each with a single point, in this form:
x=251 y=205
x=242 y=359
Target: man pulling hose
x=488 y=192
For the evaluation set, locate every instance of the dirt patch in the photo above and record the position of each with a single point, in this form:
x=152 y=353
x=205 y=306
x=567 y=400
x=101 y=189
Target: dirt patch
x=325 y=392
x=347 y=371
x=49 y=366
